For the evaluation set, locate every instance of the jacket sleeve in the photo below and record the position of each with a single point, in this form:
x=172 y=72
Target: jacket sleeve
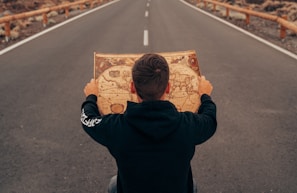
x=205 y=120
x=92 y=122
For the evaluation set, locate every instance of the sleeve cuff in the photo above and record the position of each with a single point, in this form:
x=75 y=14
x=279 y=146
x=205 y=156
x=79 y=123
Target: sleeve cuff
x=205 y=97
x=92 y=98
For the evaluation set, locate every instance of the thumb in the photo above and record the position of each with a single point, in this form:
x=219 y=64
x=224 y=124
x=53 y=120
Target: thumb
x=201 y=78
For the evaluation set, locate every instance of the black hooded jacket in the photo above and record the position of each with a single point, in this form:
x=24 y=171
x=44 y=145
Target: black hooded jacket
x=152 y=142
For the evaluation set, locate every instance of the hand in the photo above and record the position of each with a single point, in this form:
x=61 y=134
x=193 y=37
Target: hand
x=205 y=86
x=91 y=88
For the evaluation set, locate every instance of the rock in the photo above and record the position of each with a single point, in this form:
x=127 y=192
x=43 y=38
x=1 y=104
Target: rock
x=253 y=6
x=47 y=3
x=2 y=32
x=24 y=23
x=270 y=6
x=17 y=28
x=39 y=18
x=7 y=12
x=14 y=34
x=51 y=21
x=31 y=19
x=76 y=7
x=292 y=15
x=52 y=14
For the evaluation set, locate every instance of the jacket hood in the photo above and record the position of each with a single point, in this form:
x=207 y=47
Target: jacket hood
x=155 y=119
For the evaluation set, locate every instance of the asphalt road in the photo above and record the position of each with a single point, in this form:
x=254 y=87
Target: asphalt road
x=43 y=148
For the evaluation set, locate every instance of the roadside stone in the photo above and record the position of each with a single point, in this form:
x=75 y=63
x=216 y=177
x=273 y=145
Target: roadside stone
x=47 y=3
x=2 y=32
x=52 y=14
x=23 y=23
x=31 y=19
x=292 y=15
x=270 y=6
x=51 y=21
x=14 y=34
x=6 y=12
x=38 y=18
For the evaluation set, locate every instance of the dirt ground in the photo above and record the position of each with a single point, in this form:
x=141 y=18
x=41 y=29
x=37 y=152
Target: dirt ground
x=265 y=29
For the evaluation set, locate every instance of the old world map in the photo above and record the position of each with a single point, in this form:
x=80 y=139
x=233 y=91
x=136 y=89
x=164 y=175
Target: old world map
x=113 y=75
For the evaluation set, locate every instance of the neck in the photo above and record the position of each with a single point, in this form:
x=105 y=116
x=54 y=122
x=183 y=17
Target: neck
x=139 y=99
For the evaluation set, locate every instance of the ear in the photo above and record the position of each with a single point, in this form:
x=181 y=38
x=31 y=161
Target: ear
x=132 y=88
x=167 y=88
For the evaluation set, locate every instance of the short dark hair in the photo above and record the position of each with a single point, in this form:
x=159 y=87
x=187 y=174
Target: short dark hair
x=150 y=75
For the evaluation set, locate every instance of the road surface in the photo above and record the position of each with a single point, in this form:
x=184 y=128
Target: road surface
x=44 y=149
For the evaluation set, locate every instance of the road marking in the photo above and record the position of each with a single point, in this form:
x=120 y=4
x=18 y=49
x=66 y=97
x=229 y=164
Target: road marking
x=244 y=31
x=145 y=38
x=52 y=28
x=148 y=4
x=146 y=14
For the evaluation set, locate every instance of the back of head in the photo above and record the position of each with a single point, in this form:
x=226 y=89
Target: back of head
x=150 y=75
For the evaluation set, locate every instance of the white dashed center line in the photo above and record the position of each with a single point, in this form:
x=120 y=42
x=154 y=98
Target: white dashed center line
x=146 y=31
x=145 y=38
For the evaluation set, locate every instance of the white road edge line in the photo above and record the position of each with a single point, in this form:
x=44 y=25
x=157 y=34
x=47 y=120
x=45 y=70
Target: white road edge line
x=145 y=38
x=53 y=28
x=244 y=31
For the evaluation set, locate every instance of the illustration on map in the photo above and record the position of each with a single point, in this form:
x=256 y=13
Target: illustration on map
x=113 y=75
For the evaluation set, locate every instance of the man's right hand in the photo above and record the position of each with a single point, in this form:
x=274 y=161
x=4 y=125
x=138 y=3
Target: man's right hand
x=205 y=86
x=91 y=88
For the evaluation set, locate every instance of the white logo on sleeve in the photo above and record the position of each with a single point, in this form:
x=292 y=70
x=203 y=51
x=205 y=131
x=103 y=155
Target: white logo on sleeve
x=88 y=122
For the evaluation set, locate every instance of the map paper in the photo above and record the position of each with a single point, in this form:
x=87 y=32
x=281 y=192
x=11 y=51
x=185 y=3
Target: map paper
x=112 y=72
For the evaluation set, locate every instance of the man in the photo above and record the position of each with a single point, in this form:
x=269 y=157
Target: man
x=152 y=142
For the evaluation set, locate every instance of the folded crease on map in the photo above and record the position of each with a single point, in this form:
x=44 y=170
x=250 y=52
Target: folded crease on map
x=113 y=75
